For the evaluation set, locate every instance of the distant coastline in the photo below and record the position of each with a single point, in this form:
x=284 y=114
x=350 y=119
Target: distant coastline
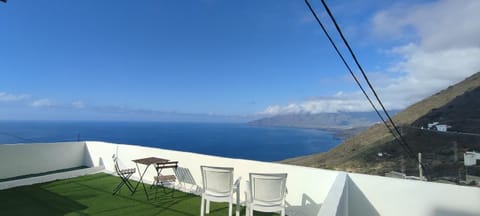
x=340 y=132
x=264 y=143
x=342 y=125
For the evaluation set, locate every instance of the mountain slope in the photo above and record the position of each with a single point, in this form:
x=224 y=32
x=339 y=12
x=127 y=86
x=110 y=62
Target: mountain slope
x=359 y=153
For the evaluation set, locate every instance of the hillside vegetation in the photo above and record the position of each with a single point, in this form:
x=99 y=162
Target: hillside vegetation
x=458 y=106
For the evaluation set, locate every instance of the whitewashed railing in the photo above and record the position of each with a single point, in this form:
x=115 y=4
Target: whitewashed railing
x=310 y=191
x=25 y=159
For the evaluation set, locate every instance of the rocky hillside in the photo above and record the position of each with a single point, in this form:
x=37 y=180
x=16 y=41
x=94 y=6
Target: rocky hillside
x=458 y=105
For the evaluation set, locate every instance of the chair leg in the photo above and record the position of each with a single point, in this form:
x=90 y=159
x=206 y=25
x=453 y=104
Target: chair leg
x=129 y=184
x=202 y=207
x=230 y=208
x=283 y=212
x=154 y=184
x=117 y=189
x=208 y=207
x=124 y=181
x=237 y=209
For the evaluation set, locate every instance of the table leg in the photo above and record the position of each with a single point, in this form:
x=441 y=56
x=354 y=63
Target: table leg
x=141 y=180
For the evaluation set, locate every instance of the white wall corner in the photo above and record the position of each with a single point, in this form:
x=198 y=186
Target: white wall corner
x=336 y=202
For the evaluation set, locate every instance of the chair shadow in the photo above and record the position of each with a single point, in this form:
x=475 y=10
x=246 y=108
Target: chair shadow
x=307 y=207
x=87 y=158
x=184 y=177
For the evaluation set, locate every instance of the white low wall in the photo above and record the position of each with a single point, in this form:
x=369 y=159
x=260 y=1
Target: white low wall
x=25 y=159
x=307 y=187
x=49 y=177
x=336 y=203
x=310 y=191
x=375 y=195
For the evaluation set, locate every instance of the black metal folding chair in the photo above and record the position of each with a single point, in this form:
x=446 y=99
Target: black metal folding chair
x=160 y=179
x=124 y=175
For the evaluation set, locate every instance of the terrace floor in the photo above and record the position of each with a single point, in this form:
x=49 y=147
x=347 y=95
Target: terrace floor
x=92 y=195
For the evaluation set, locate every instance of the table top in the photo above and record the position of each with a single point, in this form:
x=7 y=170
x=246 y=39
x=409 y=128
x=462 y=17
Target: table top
x=150 y=160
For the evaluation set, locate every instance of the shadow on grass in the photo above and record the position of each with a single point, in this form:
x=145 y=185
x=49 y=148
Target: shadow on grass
x=35 y=200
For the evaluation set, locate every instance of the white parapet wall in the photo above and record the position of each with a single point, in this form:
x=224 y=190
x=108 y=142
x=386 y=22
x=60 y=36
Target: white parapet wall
x=25 y=159
x=310 y=191
x=375 y=195
x=336 y=203
x=307 y=187
x=49 y=177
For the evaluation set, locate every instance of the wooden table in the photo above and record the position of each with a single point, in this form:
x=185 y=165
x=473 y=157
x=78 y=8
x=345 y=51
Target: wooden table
x=159 y=164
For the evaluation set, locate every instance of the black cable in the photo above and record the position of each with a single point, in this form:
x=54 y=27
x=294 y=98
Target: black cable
x=363 y=72
x=368 y=81
x=360 y=67
x=403 y=144
x=351 y=72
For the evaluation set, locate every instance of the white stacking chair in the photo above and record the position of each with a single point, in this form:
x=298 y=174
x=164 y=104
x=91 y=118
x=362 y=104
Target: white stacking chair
x=266 y=193
x=218 y=186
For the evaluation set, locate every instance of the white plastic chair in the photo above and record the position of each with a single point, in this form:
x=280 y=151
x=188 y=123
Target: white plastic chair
x=218 y=186
x=266 y=193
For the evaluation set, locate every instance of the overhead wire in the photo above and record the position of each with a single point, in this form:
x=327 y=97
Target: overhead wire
x=395 y=131
x=354 y=57
x=348 y=67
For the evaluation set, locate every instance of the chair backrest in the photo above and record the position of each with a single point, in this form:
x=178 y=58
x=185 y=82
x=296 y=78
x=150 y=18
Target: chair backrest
x=268 y=188
x=217 y=180
x=115 y=162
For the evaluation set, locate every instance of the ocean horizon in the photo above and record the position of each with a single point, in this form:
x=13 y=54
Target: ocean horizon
x=235 y=140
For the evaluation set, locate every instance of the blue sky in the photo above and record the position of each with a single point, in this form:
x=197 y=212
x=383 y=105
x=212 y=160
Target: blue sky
x=213 y=60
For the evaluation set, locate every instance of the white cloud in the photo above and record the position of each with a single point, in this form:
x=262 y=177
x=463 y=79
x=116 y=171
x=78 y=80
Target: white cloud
x=42 y=103
x=78 y=104
x=340 y=102
x=329 y=105
x=445 y=24
x=439 y=26
x=445 y=49
x=6 y=97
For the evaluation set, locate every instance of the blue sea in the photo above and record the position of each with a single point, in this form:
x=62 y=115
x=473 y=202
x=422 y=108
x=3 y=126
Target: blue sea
x=221 y=139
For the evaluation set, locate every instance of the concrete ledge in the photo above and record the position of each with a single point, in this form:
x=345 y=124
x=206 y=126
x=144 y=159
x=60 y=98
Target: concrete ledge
x=336 y=200
x=49 y=177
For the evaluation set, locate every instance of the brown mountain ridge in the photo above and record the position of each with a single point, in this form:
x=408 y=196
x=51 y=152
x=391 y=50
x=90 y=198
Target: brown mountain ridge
x=375 y=151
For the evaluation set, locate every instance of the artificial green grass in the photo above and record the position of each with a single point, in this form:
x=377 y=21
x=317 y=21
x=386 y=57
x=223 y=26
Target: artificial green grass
x=92 y=195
